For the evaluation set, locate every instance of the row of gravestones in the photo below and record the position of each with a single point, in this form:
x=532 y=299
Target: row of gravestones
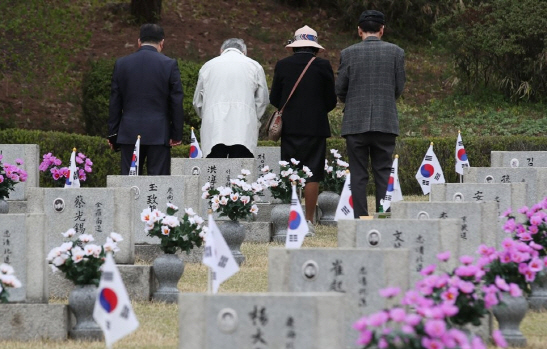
x=350 y=275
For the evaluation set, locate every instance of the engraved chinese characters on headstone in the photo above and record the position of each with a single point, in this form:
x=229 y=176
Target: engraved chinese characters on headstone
x=518 y=159
x=261 y=321
x=95 y=211
x=424 y=239
x=355 y=273
x=478 y=220
x=534 y=177
x=155 y=192
x=29 y=153
x=218 y=172
x=268 y=156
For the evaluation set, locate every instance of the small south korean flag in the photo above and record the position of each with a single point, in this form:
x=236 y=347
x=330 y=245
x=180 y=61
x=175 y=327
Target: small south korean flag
x=134 y=169
x=195 y=150
x=217 y=256
x=298 y=227
x=393 y=192
x=113 y=312
x=344 y=210
x=461 y=156
x=430 y=171
x=73 y=178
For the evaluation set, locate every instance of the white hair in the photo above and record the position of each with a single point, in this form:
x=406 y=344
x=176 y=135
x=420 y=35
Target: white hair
x=234 y=43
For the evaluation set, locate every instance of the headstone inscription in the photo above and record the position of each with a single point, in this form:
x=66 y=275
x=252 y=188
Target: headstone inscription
x=518 y=159
x=261 y=321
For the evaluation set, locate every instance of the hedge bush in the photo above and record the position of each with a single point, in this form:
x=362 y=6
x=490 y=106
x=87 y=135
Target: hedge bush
x=411 y=152
x=96 y=95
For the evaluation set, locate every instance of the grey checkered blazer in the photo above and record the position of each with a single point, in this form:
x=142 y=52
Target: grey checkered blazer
x=370 y=78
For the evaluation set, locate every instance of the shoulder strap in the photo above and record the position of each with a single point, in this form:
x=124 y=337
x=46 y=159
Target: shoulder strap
x=297 y=82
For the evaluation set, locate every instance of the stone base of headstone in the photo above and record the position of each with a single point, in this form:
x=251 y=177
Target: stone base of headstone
x=17 y=206
x=30 y=322
x=138 y=279
x=537 y=303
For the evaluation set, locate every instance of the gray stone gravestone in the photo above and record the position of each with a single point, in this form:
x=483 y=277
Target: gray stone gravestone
x=96 y=211
x=23 y=248
x=479 y=220
x=267 y=156
x=155 y=192
x=29 y=153
x=358 y=274
x=505 y=194
x=535 y=178
x=424 y=239
x=518 y=159
x=268 y=320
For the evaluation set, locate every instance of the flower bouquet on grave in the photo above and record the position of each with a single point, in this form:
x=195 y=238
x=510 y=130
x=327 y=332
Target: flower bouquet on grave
x=79 y=259
x=7 y=280
x=10 y=175
x=281 y=185
x=335 y=173
x=174 y=233
x=53 y=165
x=237 y=201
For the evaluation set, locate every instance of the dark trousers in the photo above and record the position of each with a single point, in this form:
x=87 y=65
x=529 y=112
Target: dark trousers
x=157 y=158
x=230 y=151
x=379 y=146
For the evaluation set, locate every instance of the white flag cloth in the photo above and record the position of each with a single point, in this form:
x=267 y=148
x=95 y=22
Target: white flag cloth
x=345 y=205
x=298 y=227
x=113 y=312
x=73 y=179
x=393 y=192
x=195 y=150
x=430 y=171
x=134 y=169
x=461 y=156
x=217 y=256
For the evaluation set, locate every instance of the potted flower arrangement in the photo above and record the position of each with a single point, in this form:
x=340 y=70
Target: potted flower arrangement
x=7 y=280
x=51 y=164
x=281 y=188
x=332 y=184
x=10 y=175
x=81 y=261
x=237 y=202
x=175 y=235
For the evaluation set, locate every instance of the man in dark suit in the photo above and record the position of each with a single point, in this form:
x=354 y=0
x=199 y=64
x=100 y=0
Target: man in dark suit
x=146 y=100
x=371 y=77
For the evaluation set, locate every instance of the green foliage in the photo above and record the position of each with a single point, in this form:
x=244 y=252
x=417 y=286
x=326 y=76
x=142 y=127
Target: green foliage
x=96 y=96
x=189 y=72
x=335 y=172
x=499 y=43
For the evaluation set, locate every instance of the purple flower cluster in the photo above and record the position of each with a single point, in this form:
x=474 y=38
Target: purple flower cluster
x=53 y=164
x=10 y=175
x=534 y=229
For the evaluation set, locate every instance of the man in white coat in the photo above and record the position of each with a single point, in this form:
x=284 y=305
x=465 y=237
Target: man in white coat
x=230 y=98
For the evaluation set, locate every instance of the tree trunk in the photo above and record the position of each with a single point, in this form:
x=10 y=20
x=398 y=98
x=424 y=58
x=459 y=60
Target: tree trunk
x=146 y=11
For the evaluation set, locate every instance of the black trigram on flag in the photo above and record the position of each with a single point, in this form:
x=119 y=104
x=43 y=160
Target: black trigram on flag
x=424 y=182
x=293 y=237
x=223 y=261
x=345 y=210
x=208 y=252
x=437 y=176
x=428 y=158
x=460 y=143
x=108 y=276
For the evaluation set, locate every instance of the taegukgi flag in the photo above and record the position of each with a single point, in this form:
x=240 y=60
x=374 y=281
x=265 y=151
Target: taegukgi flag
x=195 y=150
x=393 y=192
x=73 y=178
x=430 y=171
x=298 y=227
x=113 y=312
x=461 y=156
x=134 y=169
x=217 y=256
x=345 y=205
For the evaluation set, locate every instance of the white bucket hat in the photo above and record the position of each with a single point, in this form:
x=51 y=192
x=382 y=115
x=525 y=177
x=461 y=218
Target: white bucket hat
x=305 y=37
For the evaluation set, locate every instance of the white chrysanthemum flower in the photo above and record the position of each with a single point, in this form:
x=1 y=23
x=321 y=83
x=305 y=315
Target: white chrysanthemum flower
x=110 y=246
x=190 y=211
x=206 y=187
x=157 y=215
x=274 y=183
x=69 y=233
x=254 y=209
x=226 y=191
x=283 y=163
x=215 y=199
x=333 y=151
x=287 y=173
x=234 y=197
x=240 y=176
x=54 y=269
x=66 y=246
x=78 y=255
x=205 y=195
x=340 y=174
x=202 y=234
x=90 y=249
x=170 y=205
x=146 y=215
x=191 y=220
x=245 y=172
x=256 y=187
x=303 y=181
x=223 y=201
x=245 y=199
x=148 y=226
x=307 y=171
x=294 y=177
x=116 y=237
x=6 y=269
x=215 y=206
x=171 y=221
x=10 y=281
x=55 y=252
x=294 y=161
x=85 y=238
x=165 y=230
x=60 y=260
x=342 y=163
x=265 y=169
x=247 y=187
x=270 y=176
x=198 y=220
x=329 y=169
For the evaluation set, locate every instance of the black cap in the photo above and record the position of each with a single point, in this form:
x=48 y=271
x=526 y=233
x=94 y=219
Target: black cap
x=151 y=33
x=372 y=15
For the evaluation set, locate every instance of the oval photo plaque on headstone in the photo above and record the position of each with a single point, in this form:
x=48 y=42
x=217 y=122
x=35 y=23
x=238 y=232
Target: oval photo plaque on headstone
x=373 y=238
x=514 y=162
x=227 y=320
x=458 y=197
x=59 y=205
x=489 y=179
x=423 y=215
x=310 y=270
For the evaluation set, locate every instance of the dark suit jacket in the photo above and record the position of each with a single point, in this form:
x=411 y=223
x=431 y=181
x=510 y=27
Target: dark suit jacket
x=370 y=78
x=307 y=110
x=146 y=99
